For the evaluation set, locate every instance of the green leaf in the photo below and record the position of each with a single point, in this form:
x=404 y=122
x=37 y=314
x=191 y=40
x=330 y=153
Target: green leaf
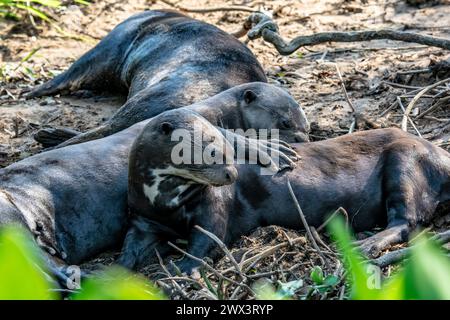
x=331 y=281
x=45 y=3
x=118 y=284
x=427 y=272
x=354 y=262
x=317 y=275
x=34 y=12
x=21 y=266
x=208 y=283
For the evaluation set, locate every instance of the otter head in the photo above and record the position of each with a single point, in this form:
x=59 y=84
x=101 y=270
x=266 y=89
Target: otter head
x=176 y=154
x=265 y=106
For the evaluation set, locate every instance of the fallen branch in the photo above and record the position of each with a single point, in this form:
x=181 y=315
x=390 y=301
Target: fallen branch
x=260 y=25
x=399 y=255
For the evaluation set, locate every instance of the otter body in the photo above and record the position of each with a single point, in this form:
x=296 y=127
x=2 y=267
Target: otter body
x=74 y=199
x=382 y=178
x=162 y=60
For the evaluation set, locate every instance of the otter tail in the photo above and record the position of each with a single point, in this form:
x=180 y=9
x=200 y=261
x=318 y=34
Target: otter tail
x=51 y=137
x=63 y=83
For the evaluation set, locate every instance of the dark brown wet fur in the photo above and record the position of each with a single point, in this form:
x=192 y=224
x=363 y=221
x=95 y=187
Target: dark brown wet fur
x=162 y=60
x=383 y=178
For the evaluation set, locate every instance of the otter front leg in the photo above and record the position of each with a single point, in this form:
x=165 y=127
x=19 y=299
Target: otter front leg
x=140 y=243
x=200 y=246
x=396 y=232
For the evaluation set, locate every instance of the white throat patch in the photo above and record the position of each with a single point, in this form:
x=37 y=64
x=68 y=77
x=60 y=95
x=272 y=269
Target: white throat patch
x=152 y=191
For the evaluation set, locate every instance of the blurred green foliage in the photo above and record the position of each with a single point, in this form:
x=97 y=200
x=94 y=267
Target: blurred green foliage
x=116 y=283
x=20 y=268
x=14 y=8
x=425 y=274
x=22 y=275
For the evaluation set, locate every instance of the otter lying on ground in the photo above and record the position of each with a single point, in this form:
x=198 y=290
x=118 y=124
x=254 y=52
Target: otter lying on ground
x=162 y=60
x=74 y=199
x=383 y=177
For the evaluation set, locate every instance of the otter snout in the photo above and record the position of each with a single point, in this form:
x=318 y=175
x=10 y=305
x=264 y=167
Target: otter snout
x=230 y=175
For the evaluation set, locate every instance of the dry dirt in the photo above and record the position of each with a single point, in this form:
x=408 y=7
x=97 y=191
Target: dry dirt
x=368 y=70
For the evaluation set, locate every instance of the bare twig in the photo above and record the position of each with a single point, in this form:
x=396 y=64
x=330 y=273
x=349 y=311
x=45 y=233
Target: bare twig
x=347 y=98
x=399 y=101
x=261 y=25
x=339 y=210
x=440 y=103
x=224 y=249
x=249 y=262
x=415 y=99
x=175 y=284
x=305 y=223
x=207 y=266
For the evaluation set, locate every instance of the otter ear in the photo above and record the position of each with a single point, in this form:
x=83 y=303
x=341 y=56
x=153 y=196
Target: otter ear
x=249 y=96
x=166 y=128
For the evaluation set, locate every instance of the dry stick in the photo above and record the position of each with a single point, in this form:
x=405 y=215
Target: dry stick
x=175 y=284
x=400 y=103
x=305 y=223
x=398 y=255
x=415 y=99
x=340 y=209
x=438 y=104
x=418 y=71
x=261 y=25
x=224 y=249
x=207 y=266
x=252 y=260
x=347 y=98
x=392 y=106
x=319 y=240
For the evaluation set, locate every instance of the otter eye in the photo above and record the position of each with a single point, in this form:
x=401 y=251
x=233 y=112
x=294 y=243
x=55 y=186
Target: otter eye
x=286 y=124
x=249 y=96
x=166 y=128
x=213 y=153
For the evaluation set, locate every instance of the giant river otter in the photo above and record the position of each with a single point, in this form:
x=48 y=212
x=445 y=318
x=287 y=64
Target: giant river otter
x=162 y=60
x=382 y=177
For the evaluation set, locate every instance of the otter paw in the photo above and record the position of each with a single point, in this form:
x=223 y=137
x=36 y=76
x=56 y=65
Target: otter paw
x=370 y=247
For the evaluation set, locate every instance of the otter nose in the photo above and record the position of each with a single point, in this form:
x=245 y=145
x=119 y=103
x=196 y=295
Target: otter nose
x=230 y=174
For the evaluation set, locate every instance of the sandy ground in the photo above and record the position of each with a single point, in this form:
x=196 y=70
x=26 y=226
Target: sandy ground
x=368 y=68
